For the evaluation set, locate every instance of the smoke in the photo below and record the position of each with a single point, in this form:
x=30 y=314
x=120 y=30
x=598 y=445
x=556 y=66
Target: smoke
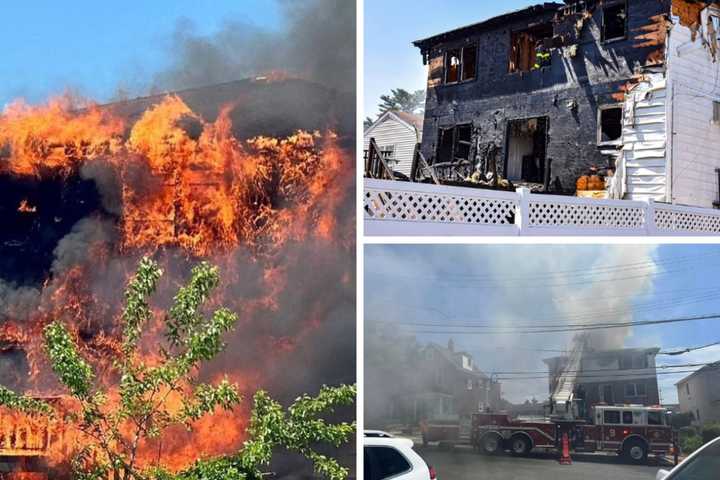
x=317 y=44
x=503 y=286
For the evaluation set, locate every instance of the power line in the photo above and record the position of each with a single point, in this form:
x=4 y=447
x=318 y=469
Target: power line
x=557 y=328
x=583 y=371
x=585 y=377
x=588 y=315
x=494 y=281
x=688 y=350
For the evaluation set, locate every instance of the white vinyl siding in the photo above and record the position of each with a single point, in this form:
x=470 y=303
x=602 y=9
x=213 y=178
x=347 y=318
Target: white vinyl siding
x=391 y=131
x=644 y=138
x=696 y=141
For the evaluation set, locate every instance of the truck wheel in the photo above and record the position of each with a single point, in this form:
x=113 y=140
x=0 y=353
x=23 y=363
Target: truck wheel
x=491 y=444
x=635 y=451
x=519 y=445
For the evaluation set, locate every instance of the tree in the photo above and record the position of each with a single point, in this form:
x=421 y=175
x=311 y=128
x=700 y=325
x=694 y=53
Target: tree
x=403 y=101
x=113 y=431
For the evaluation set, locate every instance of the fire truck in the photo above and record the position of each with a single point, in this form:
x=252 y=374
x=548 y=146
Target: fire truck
x=633 y=431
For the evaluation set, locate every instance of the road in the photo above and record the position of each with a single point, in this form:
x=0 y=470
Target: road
x=463 y=463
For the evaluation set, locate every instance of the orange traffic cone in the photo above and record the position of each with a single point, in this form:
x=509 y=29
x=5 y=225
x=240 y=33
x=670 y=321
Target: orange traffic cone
x=565 y=458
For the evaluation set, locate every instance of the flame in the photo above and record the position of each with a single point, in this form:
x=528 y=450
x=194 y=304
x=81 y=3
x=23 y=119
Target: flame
x=25 y=207
x=188 y=189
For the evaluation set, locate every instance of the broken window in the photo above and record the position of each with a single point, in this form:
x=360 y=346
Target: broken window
x=526 y=148
x=469 y=63
x=454 y=143
x=529 y=48
x=614 y=21
x=460 y=64
x=452 y=66
x=610 y=124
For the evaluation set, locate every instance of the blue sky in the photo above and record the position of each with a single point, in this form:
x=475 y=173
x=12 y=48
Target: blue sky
x=512 y=285
x=390 y=28
x=95 y=47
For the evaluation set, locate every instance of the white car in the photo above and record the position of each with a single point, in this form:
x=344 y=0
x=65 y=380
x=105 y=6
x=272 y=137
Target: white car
x=394 y=458
x=703 y=464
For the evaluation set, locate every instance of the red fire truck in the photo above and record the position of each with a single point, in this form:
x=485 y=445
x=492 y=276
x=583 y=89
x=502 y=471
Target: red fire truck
x=633 y=431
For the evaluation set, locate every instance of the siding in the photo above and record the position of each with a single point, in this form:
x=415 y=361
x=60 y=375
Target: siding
x=695 y=153
x=643 y=160
x=391 y=131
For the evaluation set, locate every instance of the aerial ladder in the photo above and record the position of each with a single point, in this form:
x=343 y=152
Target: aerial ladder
x=562 y=400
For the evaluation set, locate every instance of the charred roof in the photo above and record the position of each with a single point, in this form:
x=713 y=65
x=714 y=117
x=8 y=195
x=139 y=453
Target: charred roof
x=528 y=12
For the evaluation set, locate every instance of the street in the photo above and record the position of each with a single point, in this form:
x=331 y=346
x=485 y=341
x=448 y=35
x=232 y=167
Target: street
x=464 y=463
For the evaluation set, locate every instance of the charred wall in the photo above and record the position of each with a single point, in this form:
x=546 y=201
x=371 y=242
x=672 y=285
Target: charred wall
x=584 y=73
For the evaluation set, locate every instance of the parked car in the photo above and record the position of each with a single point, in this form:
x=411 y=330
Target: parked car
x=703 y=464
x=377 y=434
x=393 y=457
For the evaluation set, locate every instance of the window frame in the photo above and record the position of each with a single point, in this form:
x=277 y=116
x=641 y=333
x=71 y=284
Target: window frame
x=453 y=129
x=614 y=412
x=461 y=70
x=612 y=4
x=616 y=142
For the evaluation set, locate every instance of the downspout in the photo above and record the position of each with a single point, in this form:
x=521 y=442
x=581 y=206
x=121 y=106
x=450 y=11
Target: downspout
x=670 y=120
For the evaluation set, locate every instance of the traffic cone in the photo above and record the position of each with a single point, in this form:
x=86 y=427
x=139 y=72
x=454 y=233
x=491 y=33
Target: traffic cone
x=565 y=458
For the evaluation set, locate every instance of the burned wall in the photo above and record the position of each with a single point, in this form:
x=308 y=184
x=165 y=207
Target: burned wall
x=584 y=73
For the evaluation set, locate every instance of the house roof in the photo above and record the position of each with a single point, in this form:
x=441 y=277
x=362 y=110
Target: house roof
x=603 y=353
x=707 y=368
x=451 y=358
x=412 y=121
x=489 y=23
x=258 y=107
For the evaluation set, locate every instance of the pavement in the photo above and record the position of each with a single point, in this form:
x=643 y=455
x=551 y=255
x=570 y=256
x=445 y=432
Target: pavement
x=466 y=464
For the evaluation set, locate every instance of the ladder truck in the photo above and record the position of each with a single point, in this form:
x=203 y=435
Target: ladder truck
x=634 y=431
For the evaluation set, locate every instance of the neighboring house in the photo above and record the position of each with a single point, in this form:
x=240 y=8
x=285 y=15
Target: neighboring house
x=613 y=377
x=396 y=134
x=699 y=394
x=406 y=383
x=448 y=387
x=546 y=94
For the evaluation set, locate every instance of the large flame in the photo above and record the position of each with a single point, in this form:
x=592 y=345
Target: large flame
x=188 y=189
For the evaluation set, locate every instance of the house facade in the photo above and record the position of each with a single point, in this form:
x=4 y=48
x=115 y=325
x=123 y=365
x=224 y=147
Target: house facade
x=554 y=93
x=407 y=383
x=396 y=134
x=613 y=377
x=449 y=386
x=699 y=394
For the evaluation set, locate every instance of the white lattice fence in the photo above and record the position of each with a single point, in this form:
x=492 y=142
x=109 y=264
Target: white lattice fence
x=412 y=202
x=403 y=208
x=571 y=213
x=671 y=219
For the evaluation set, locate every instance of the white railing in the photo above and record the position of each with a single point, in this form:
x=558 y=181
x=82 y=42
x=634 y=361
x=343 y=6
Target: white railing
x=404 y=208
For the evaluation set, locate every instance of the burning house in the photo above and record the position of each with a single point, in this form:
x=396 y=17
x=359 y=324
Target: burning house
x=578 y=97
x=624 y=376
x=254 y=176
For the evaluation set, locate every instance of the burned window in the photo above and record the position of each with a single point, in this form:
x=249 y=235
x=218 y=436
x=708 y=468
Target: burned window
x=452 y=66
x=469 y=63
x=610 y=124
x=463 y=135
x=614 y=21
x=454 y=143
x=460 y=64
x=529 y=49
x=526 y=142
